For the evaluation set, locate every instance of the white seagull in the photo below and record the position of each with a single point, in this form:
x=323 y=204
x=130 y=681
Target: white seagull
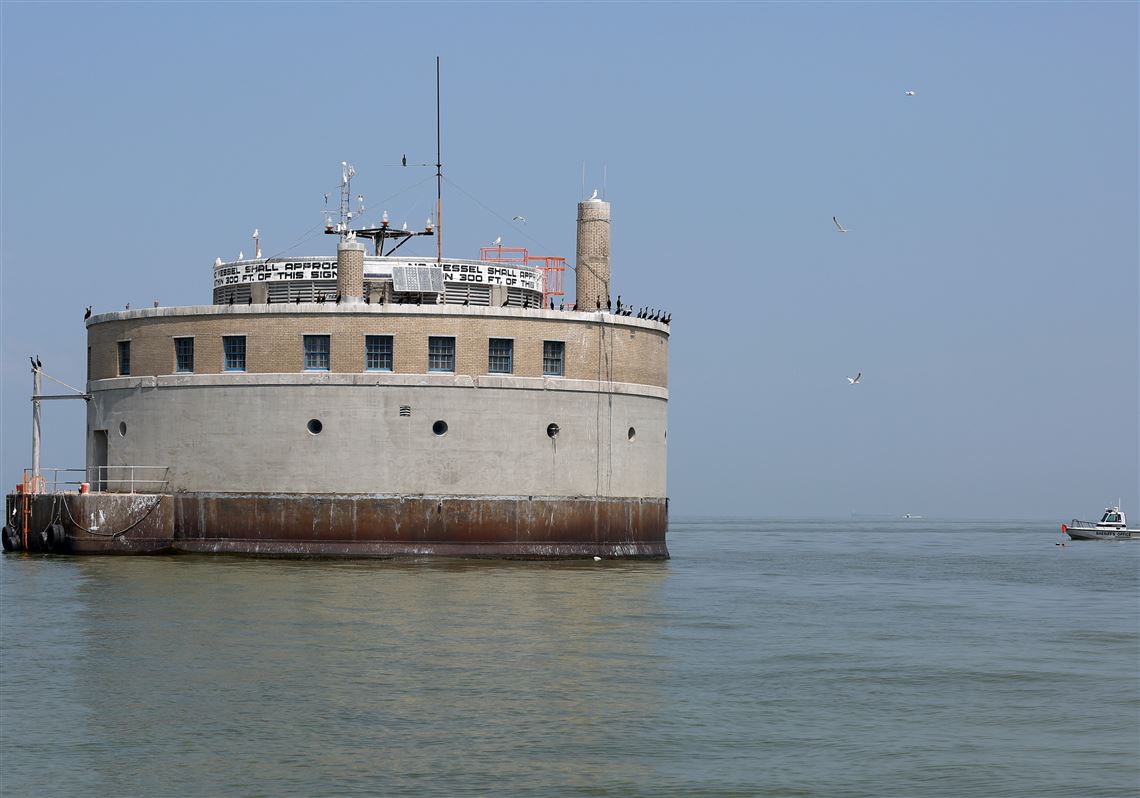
x=840 y=227
x=855 y=380
x=497 y=242
x=910 y=94
x=520 y=219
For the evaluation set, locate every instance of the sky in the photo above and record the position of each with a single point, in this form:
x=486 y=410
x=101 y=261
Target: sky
x=987 y=289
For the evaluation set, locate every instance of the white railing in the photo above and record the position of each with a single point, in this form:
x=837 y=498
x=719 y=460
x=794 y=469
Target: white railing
x=129 y=478
x=108 y=479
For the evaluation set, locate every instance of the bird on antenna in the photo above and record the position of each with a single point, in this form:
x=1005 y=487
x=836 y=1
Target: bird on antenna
x=594 y=196
x=498 y=242
x=33 y=360
x=87 y=313
x=838 y=226
x=404 y=160
x=855 y=380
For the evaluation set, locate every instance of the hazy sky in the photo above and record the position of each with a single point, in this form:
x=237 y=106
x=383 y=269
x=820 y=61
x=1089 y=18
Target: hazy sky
x=987 y=289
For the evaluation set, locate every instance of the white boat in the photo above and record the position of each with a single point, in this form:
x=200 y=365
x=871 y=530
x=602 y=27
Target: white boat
x=1112 y=526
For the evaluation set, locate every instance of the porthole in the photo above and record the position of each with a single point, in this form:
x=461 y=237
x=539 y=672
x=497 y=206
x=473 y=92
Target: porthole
x=631 y=434
x=552 y=430
x=315 y=426
x=439 y=428
x=122 y=429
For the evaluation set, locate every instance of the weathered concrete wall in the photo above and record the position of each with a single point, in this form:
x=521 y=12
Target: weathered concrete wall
x=338 y=525
x=250 y=433
x=597 y=345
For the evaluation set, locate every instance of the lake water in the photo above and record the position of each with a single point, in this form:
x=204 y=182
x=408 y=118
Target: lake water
x=767 y=658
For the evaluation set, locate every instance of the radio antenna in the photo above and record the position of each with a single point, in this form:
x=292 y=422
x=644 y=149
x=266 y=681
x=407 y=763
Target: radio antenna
x=438 y=176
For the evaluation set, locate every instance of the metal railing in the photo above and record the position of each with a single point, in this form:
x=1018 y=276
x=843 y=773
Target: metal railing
x=104 y=478
x=129 y=478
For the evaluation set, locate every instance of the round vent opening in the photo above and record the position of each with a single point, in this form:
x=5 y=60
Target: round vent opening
x=315 y=426
x=439 y=428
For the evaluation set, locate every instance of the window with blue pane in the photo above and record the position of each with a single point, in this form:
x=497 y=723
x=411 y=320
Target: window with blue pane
x=553 y=355
x=124 y=358
x=233 y=346
x=184 y=355
x=378 y=352
x=316 y=353
x=500 y=355
x=441 y=353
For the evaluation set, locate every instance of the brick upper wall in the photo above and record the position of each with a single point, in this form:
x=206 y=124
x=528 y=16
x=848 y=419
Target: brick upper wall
x=596 y=345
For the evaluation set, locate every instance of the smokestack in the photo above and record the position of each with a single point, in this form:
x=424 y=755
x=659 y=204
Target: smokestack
x=592 y=278
x=350 y=271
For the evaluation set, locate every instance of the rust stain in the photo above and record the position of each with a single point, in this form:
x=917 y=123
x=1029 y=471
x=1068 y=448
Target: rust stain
x=524 y=527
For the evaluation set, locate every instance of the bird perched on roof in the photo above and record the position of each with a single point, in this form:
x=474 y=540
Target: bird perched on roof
x=87 y=313
x=337 y=300
x=838 y=226
x=127 y=306
x=248 y=300
x=855 y=380
x=156 y=303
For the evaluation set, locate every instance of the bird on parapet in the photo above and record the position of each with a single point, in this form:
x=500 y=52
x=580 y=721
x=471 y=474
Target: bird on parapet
x=337 y=300
x=87 y=313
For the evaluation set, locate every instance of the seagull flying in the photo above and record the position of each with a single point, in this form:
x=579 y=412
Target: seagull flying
x=855 y=380
x=841 y=228
x=520 y=219
x=910 y=94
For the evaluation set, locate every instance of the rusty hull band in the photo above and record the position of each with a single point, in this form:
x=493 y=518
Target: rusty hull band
x=292 y=525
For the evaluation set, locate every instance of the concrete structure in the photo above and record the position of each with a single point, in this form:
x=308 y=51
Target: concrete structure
x=353 y=429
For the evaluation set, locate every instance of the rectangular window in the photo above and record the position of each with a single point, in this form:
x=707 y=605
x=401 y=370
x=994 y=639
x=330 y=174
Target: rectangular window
x=378 y=352
x=552 y=357
x=316 y=353
x=500 y=355
x=234 y=348
x=184 y=354
x=441 y=353
x=124 y=358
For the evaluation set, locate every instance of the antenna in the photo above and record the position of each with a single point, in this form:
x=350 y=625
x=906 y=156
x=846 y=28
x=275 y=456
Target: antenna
x=347 y=171
x=438 y=176
x=256 y=244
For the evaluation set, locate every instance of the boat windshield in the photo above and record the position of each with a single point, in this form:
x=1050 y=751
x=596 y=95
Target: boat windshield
x=1110 y=518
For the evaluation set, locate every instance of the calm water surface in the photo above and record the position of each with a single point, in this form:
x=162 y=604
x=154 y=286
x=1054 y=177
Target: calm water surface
x=767 y=658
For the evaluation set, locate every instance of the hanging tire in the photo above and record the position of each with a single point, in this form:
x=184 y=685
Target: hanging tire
x=10 y=537
x=53 y=537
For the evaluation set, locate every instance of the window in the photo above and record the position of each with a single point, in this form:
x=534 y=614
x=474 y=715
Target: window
x=234 y=348
x=552 y=357
x=183 y=354
x=441 y=353
x=378 y=352
x=500 y=354
x=316 y=353
x=124 y=358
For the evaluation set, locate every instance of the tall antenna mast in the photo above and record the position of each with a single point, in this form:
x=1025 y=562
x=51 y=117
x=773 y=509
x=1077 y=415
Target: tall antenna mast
x=438 y=176
x=346 y=174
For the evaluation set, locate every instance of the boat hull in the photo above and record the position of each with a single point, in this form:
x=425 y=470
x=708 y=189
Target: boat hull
x=326 y=525
x=1092 y=533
